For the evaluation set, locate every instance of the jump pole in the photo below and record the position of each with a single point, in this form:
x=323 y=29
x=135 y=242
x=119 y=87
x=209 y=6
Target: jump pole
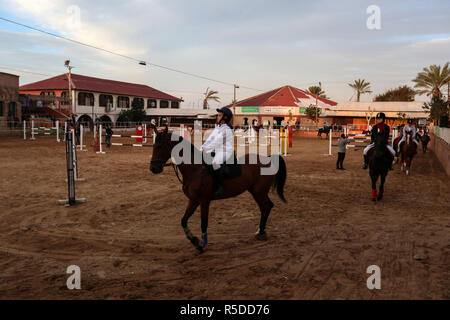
x=57 y=131
x=330 y=143
x=32 y=130
x=81 y=138
x=100 y=140
x=74 y=157
x=71 y=199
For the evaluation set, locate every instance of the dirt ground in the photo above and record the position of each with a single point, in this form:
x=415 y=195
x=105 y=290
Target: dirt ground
x=129 y=244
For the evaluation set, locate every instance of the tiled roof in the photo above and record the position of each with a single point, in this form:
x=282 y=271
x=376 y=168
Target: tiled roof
x=285 y=96
x=86 y=83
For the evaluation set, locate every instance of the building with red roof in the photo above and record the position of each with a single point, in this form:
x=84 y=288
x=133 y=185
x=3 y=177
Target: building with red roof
x=287 y=104
x=94 y=98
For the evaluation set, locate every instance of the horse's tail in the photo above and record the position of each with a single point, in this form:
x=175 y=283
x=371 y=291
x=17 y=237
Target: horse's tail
x=280 y=178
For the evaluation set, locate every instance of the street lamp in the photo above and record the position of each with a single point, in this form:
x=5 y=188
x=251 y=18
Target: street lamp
x=67 y=65
x=235 y=86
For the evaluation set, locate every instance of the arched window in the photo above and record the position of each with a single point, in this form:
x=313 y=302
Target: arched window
x=123 y=102
x=175 y=105
x=151 y=103
x=85 y=99
x=164 y=104
x=105 y=100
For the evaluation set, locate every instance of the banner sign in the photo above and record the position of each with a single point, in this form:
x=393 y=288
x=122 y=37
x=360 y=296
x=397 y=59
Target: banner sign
x=249 y=109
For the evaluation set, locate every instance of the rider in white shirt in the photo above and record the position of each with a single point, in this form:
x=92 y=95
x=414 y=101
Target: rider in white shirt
x=409 y=127
x=221 y=142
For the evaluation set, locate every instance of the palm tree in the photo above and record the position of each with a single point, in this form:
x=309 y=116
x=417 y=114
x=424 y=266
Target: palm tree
x=361 y=87
x=432 y=79
x=316 y=90
x=210 y=95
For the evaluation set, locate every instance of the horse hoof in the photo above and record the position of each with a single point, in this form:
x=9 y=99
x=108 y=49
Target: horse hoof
x=261 y=237
x=374 y=200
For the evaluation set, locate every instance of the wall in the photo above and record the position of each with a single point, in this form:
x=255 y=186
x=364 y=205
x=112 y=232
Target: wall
x=441 y=149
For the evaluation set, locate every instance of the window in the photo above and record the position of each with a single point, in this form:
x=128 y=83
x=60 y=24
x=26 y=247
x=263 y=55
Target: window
x=138 y=101
x=48 y=93
x=105 y=100
x=12 y=109
x=85 y=99
x=123 y=102
x=175 y=105
x=164 y=104
x=151 y=103
x=1 y=108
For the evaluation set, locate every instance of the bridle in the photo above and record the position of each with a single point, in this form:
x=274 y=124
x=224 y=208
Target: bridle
x=175 y=167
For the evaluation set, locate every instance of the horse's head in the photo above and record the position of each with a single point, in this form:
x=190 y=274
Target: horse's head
x=161 y=150
x=408 y=137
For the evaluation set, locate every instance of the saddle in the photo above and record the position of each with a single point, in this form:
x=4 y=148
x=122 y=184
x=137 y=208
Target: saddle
x=230 y=170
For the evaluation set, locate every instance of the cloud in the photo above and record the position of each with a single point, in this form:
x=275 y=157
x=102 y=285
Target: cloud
x=259 y=44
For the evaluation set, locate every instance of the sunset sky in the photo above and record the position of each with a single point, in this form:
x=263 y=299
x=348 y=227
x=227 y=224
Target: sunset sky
x=257 y=44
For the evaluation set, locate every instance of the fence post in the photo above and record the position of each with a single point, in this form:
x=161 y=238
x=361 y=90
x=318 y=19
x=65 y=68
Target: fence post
x=32 y=130
x=24 y=130
x=57 y=131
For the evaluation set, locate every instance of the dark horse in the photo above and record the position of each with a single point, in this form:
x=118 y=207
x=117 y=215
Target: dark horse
x=378 y=167
x=198 y=184
x=408 y=149
x=323 y=130
x=425 y=139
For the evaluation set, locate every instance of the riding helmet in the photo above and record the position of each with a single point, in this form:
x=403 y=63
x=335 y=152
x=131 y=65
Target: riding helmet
x=381 y=115
x=226 y=112
x=410 y=121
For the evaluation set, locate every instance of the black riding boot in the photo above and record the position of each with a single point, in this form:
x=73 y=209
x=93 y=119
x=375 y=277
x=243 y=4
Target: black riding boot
x=366 y=162
x=391 y=160
x=218 y=177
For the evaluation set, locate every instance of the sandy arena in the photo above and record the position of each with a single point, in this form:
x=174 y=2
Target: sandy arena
x=129 y=244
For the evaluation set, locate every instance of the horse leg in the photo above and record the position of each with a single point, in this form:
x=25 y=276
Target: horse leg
x=374 y=178
x=204 y=208
x=190 y=209
x=380 y=193
x=265 y=206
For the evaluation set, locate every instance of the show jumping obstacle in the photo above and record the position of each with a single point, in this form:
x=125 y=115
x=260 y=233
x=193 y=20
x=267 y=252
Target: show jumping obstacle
x=45 y=131
x=142 y=138
x=72 y=171
x=253 y=139
x=359 y=141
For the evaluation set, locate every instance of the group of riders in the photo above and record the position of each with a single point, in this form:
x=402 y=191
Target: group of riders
x=381 y=129
x=220 y=143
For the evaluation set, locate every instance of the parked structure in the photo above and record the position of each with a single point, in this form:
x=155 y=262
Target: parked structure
x=10 y=110
x=94 y=98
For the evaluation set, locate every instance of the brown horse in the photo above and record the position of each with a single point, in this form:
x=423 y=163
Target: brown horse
x=408 y=149
x=198 y=184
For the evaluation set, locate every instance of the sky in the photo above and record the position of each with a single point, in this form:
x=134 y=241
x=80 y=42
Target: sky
x=259 y=45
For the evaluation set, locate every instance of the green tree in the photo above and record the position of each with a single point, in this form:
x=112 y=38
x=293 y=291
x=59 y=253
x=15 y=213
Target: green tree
x=310 y=113
x=402 y=93
x=432 y=79
x=316 y=90
x=210 y=95
x=135 y=114
x=436 y=108
x=361 y=87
